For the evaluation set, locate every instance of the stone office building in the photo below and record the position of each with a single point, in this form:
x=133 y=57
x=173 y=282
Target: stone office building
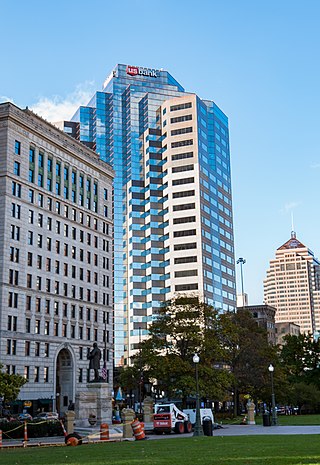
x=56 y=259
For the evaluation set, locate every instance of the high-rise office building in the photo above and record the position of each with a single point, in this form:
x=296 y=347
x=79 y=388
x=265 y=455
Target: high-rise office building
x=172 y=195
x=55 y=260
x=292 y=286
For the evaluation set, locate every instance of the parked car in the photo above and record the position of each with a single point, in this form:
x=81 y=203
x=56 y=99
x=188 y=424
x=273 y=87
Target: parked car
x=48 y=415
x=24 y=416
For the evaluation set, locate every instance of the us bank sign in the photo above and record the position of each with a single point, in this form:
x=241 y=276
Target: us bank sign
x=138 y=71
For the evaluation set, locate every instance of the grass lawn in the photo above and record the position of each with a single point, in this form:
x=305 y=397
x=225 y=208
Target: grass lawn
x=245 y=450
x=283 y=420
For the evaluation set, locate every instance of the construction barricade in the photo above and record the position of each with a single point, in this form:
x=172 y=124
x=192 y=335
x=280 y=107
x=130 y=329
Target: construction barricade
x=138 y=430
x=104 y=432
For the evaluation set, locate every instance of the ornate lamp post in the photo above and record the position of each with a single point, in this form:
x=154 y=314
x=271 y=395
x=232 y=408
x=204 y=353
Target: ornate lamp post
x=274 y=420
x=198 y=431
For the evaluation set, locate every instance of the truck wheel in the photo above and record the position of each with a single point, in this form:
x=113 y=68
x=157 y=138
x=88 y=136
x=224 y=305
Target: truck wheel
x=187 y=427
x=179 y=428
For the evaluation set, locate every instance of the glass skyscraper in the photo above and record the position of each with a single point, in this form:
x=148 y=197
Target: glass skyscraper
x=173 y=227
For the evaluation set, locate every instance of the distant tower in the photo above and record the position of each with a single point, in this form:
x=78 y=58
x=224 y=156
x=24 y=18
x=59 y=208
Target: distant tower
x=292 y=285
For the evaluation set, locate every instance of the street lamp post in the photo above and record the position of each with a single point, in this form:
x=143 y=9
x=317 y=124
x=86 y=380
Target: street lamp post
x=274 y=420
x=140 y=375
x=242 y=262
x=198 y=431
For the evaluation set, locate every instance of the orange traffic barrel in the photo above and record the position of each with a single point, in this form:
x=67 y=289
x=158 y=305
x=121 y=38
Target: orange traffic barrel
x=104 y=432
x=137 y=430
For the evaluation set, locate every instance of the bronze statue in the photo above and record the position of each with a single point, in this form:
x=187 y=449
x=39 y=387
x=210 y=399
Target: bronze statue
x=94 y=364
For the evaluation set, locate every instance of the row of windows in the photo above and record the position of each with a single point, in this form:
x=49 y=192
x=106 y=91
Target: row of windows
x=180 y=169
x=180 y=181
x=178 y=195
x=185 y=273
x=16 y=209
x=180 y=119
x=58 y=329
x=187 y=246
x=73 y=230
x=182 y=260
x=74 y=312
x=185 y=206
x=186 y=219
x=181 y=106
x=182 y=156
x=58 y=267
x=186 y=287
x=187 y=232
x=177 y=132
x=181 y=143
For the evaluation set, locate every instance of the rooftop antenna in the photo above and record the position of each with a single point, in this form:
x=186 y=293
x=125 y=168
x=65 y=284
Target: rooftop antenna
x=293 y=234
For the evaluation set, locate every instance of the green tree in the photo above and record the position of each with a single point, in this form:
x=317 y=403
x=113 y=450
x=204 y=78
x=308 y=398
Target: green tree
x=250 y=354
x=10 y=385
x=304 y=396
x=301 y=357
x=185 y=326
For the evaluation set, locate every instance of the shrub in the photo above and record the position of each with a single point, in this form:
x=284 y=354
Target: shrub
x=36 y=429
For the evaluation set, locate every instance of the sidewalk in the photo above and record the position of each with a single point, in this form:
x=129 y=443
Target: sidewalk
x=227 y=430
x=248 y=430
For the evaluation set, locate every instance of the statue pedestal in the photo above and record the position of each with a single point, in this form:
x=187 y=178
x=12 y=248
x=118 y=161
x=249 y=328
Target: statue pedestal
x=94 y=401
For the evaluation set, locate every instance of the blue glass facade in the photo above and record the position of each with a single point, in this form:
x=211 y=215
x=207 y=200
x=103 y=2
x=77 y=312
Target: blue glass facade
x=124 y=123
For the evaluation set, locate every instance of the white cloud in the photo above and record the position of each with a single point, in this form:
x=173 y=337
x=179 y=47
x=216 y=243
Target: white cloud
x=288 y=207
x=315 y=166
x=4 y=98
x=57 y=108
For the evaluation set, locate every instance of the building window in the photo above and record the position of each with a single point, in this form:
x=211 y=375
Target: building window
x=40 y=200
x=181 y=106
x=37 y=349
x=16 y=168
x=27 y=348
x=46 y=349
x=17 y=147
x=37 y=327
x=46 y=374
x=28 y=325
x=26 y=373
x=31 y=155
x=14 y=254
x=31 y=196
x=16 y=211
x=16 y=189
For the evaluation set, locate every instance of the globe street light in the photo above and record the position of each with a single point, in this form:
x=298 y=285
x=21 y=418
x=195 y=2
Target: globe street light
x=198 y=431
x=274 y=420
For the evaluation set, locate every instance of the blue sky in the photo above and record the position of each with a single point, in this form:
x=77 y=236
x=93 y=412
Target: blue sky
x=258 y=60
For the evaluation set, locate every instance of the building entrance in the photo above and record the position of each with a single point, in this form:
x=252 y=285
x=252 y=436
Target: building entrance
x=64 y=381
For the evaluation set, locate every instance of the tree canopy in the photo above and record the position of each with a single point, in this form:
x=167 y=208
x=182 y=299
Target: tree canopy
x=10 y=385
x=233 y=351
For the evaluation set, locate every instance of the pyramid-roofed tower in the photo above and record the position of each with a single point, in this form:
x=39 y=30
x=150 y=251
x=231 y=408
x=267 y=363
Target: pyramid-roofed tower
x=292 y=285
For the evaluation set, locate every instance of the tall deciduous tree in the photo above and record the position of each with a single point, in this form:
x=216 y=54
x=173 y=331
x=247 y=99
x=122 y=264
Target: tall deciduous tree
x=185 y=326
x=10 y=385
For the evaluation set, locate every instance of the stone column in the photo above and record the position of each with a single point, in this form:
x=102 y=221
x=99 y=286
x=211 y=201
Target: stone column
x=70 y=417
x=147 y=409
x=128 y=416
